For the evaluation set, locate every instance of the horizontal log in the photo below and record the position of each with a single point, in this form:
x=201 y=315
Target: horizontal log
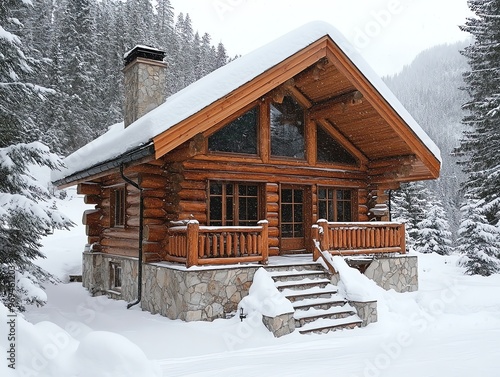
x=155 y=212
x=272 y=207
x=194 y=185
x=272 y=197
x=92 y=199
x=155 y=233
x=128 y=233
x=274 y=232
x=151 y=257
x=196 y=195
x=123 y=252
x=152 y=247
x=91 y=216
x=88 y=189
x=152 y=181
x=272 y=187
x=134 y=222
x=200 y=216
x=155 y=193
x=93 y=230
x=192 y=206
x=274 y=251
x=120 y=243
x=151 y=202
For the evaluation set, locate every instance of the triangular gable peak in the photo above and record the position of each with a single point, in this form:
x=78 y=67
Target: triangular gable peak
x=340 y=99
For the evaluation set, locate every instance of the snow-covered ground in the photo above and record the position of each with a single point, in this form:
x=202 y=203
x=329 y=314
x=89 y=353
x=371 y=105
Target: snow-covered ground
x=450 y=327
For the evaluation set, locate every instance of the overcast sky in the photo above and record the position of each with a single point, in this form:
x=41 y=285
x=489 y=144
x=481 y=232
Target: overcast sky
x=388 y=33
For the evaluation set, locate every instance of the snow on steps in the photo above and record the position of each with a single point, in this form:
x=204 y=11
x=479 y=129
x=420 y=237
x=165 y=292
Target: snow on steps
x=318 y=306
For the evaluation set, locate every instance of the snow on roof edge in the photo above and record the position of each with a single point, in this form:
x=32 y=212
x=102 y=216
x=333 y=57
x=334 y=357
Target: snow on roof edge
x=218 y=84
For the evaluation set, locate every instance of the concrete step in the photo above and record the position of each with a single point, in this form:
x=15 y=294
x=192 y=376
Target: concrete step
x=319 y=303
x=324 y=325
x=298 y=267
x=300 y=285
x=295 y=275
x=309 y=293
x=303 y=317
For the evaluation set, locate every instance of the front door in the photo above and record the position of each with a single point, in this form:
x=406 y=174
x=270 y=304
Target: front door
x=293 y=218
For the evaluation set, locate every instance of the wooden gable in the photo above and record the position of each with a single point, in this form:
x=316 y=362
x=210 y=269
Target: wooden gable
x=338 y=97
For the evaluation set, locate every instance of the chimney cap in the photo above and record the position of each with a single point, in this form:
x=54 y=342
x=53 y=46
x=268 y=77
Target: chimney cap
x=142 y=51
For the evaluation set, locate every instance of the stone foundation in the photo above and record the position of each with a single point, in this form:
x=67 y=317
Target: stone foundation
x=173 y=291
x=283 y=324
x=399 y=272
x=367 y=311
x=194 y=294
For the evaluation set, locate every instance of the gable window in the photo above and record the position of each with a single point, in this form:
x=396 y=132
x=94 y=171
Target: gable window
x=329 y=150
x=239 y=136
x=115 y=276
x=232 y=204
x=335 y=204
x=118 y=208
x=287 y=129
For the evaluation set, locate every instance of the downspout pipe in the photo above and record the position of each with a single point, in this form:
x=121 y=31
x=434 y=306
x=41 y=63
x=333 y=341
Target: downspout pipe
x=141 y=236
x=390 y=206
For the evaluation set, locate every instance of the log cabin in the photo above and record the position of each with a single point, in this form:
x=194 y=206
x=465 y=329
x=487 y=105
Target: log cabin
x=289 y=149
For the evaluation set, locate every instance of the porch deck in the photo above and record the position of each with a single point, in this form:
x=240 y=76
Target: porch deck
x=195 y=245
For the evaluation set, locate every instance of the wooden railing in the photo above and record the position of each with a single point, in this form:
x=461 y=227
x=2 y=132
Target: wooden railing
x=195 y=245
x=359 y=238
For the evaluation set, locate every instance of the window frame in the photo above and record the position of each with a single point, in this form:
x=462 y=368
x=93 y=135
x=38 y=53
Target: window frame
x=334 y=202
x=118 y=208
x=235 y=195
x=115 y=276
x=254 y=105
x=289 y=159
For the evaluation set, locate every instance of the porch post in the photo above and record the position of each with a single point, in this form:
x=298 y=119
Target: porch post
x=265 y=242
x=323 y=237
x=192 y=232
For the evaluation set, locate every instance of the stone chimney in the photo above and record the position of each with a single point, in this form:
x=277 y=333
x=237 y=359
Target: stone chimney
x=145 y=77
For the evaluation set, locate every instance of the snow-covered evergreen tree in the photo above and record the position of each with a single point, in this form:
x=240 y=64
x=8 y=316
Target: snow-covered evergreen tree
x=25 y=216
x=481 y=141
x=409 y=205
x=433 y=234
x=478 y=241
x=427 y=228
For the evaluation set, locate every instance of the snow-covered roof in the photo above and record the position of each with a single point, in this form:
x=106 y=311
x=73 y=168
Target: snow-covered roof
x=216 y=85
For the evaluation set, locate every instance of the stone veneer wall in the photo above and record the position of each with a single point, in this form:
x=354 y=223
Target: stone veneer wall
x=194 y=294
x=144 y=88
x=96 y=275
x=399 y=272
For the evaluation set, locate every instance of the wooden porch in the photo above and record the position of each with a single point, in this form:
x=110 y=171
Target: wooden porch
x=195 y=245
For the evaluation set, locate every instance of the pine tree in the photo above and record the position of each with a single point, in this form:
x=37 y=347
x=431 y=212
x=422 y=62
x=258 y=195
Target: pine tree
x=409 y=206
x=478 y=241
x=481 y=141
x=433 y=233
x=25 y=215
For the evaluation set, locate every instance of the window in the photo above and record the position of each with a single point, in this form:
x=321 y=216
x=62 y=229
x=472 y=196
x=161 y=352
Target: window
x=118 y=207
x=239 y=136
x=115 y=276
x=335 y=204
x=233 y=204
x=287 y=129
x=329 y=150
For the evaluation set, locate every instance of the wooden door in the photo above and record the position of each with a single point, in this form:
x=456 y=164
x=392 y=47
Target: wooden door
x=293 y=218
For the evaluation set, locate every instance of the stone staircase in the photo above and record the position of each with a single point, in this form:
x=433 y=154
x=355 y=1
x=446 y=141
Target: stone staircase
x=318 y=306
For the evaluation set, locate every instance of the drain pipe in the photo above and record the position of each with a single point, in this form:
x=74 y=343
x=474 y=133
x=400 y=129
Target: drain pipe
x=390 y=206
x=141 y=220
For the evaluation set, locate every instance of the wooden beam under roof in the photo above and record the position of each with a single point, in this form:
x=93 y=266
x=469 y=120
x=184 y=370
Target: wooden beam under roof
x=336 y=105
